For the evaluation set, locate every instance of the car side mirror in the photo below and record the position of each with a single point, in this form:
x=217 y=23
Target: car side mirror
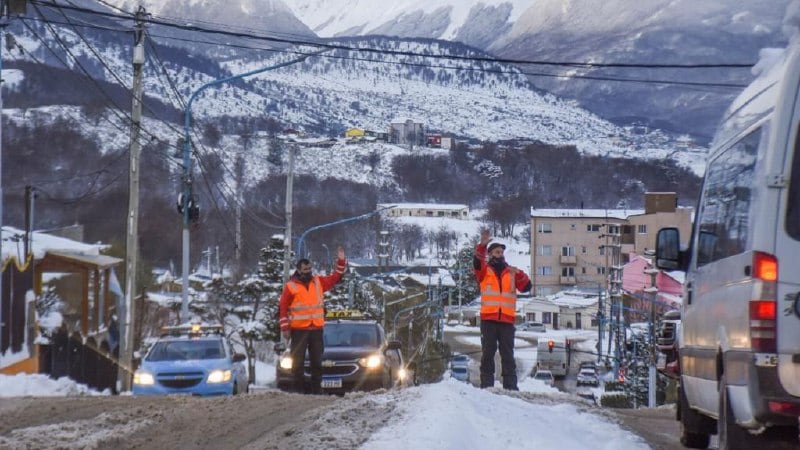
x=394 y=345
x=279 y=348
x=668 y=251
x=239 y=357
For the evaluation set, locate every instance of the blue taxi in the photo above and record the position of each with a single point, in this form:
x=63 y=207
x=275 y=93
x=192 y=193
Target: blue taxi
x=191 y=359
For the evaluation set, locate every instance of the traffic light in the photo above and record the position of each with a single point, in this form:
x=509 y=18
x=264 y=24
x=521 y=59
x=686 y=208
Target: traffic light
x=550 y=345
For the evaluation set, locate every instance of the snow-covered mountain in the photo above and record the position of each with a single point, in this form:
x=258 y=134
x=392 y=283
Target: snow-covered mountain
x=272 y=16
x=625 y=31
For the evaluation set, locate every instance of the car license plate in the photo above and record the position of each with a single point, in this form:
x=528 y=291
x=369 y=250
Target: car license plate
x=332 y=383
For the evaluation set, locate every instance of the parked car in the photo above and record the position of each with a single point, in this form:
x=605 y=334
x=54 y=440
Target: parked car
x=460 y=373
x=545 y=376
x=739 y=335
x=532 y=326
x=588 y=376
x=357 y=356
x=192 y=359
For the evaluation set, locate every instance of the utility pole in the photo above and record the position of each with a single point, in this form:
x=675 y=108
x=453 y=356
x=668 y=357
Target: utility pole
x=287 y=237
x=132 y=244
x=239 y=169
x=651 y=367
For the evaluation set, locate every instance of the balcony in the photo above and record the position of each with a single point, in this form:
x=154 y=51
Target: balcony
x=566 y=280
x=568 y=260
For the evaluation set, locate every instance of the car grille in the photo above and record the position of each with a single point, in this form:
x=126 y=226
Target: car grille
x=180 y=380
x=337 y=370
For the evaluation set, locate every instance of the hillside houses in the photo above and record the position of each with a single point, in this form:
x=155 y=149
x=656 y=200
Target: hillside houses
x=400 y=132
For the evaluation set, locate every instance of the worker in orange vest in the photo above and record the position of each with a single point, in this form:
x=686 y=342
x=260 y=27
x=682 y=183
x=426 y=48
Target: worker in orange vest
x=499 y=283
x=302 y=319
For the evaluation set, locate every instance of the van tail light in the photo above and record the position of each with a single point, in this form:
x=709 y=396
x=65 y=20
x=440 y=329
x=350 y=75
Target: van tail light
x=765 y=267
x=764 y=306
x=763 y=325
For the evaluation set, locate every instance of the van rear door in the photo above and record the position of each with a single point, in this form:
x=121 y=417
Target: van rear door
x=787 y=236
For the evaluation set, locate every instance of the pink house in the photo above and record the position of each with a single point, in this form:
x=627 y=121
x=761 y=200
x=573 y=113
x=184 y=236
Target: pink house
x=637 y=284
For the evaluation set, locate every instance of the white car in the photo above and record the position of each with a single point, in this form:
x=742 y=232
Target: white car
x=588 y=376
x=532 y=326
x=545 y=376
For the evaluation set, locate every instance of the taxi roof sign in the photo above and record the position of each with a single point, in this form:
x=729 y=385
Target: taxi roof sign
x=192 y=329
x=344 y=314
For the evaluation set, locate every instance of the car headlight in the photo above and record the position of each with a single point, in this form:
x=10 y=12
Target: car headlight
x=372 y=361
x=219 y=376
x=286 y=362
x=143 y=378
x=402 y=374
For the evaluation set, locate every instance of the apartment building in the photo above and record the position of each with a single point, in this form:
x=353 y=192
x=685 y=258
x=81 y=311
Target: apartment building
x=581 y=247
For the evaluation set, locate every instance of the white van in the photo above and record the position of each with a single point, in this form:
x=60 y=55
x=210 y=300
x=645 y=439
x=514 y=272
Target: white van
x=739 y=344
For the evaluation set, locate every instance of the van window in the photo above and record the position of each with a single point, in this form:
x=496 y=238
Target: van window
x=793 y=212
x=723 y=219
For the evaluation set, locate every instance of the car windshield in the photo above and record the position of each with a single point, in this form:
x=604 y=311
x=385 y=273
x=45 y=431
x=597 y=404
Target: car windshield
x=587 y=372
x=543 y=376
x=350 y=335
x=459 y=370
x=179 y=350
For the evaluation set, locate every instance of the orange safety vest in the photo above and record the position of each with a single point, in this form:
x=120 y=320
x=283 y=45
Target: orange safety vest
x=498 y=295
x=307 y=309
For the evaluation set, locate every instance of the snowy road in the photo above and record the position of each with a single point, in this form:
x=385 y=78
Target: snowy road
x=443 y=415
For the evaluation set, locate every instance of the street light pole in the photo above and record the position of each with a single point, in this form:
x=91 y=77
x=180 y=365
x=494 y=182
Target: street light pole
x=186 y=200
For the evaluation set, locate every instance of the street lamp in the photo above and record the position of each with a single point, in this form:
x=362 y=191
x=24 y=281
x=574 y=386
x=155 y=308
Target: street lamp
x=188 y=206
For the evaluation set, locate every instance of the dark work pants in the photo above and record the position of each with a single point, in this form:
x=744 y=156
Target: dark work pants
x=492 y=334
x=311 y=340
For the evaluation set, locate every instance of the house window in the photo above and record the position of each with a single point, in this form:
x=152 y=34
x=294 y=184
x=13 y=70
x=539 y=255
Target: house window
x=583 y=249
x=429 y=213
x=572 y=227
x=545 y=250
x=583 y=270
x=601 y=270
x=602 y=250
x=531 y=317
x=567 y=271
x=593 y=227
x=567 y=251
x=545 y=228
x=613 y=229
x=544 y=270
x=547 y=317
x=642 y=229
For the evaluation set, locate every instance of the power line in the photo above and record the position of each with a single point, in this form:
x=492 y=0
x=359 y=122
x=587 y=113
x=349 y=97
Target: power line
x=333 y=46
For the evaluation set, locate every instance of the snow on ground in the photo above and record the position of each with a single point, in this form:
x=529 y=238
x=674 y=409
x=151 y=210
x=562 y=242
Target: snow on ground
x=38 y=385
x=455 y=415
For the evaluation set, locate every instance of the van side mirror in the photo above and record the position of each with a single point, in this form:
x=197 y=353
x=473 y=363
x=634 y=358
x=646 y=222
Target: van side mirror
x=668 y=249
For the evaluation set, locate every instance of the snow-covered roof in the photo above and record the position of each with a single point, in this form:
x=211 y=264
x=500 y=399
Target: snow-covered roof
x=598 y=213
x=573 y=299
x=422 y=205
x=41 y=243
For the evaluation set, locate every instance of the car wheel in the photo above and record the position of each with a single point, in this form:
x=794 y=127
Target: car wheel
x=691 y=424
